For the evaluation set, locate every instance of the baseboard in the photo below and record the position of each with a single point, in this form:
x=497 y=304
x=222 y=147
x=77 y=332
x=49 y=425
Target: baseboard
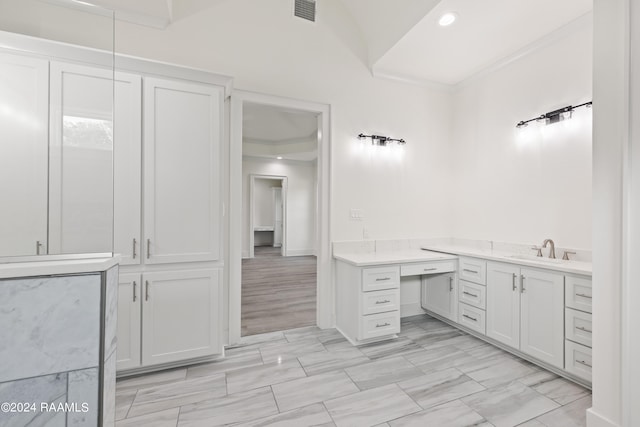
x=596 y=420
x=299 y=252
x=411 y=309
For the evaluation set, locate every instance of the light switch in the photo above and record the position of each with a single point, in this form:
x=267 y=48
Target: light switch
x=356 y=215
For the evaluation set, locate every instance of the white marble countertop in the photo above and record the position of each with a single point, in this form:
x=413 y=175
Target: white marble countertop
x=51 y=268
x=391 y=257
x=575 y=267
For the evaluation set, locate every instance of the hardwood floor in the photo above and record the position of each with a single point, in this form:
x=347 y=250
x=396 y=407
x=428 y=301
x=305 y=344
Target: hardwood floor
x=278 y=292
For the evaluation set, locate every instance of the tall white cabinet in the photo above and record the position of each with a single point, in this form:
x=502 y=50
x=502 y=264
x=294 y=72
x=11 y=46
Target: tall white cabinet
x=168 y=222
x=24 y=93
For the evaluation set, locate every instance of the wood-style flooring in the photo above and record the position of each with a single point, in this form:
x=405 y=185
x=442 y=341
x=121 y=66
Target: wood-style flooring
x=278 y=292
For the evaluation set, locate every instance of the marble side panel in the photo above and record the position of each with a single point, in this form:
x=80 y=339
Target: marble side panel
x=58 y=320
x=47 y=389
x=452 y=414
x=111 y=311
x=305 y=391
x=109 y=391
x=371 y=407
x=312 y=415
x=83 y=389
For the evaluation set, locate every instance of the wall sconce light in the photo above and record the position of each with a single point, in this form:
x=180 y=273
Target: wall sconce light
x=555 y=116
x=382 y=140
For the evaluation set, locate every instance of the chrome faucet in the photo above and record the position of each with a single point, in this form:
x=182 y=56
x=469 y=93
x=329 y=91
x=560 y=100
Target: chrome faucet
x=552 y=252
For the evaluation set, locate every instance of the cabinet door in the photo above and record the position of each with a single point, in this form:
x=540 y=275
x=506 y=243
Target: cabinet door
x=503 y=303
x=127 y=158
x=182 y=132
x=81 y=159
x=542 y=316
x=439 y=295
x=24 y=94
x=128 y=332
x=180 y=316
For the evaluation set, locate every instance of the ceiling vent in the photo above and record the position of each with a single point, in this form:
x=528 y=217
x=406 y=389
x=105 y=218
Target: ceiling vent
x=305 y=9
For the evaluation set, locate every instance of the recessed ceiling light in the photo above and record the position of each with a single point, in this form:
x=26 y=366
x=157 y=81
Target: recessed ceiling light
x=279 y=157
x=447 y=19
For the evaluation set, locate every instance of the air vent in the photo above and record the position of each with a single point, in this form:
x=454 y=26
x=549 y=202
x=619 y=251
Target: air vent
x=305 y=9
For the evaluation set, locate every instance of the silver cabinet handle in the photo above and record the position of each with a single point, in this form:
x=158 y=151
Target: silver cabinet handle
x=582 y=362
x=383 y=302
x=383 y=325
x=148 y=248
x=134 y=248
x=135 y=285
x=382 y=279
x=584 y=296
x=582 y=328
x=470 y=294
x=38 y=246
x=514 y=282
x=469 y=271
x=146 y=292
x=450 y=284
x=470 y=318
x=522 y=288
x=430 y=269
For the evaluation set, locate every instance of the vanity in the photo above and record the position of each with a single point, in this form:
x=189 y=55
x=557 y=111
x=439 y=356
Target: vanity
x=536 y=308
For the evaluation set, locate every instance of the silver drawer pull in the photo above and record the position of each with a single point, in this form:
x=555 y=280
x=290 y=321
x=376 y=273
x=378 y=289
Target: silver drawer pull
x=582 y=328
x=148 y=248
x=382 y=279
x=430 y=269
x=134 y=249
x=469 y=271
x=38 y=246
x=522 y=288
x=383 y=325
x=470 y=318
x=135 y=285
x=515 y=287
x=582 y=362
x=146 y=293
x=584 y=296
x=470 y=294
x=383 y=302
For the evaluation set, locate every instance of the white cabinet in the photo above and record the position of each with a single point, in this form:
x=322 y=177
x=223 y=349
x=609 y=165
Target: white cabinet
x=440 y=295
x=168 y=316
x=578 y=327
x=24 y=94
x=525 y=310
x=129 y=312
x=180 y=315
x=182 y=133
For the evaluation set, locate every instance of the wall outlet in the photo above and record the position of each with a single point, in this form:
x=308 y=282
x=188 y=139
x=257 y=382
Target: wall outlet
x=356 y=215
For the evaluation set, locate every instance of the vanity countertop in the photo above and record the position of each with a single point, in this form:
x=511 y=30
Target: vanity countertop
x=13 y=270
x=575 y=267
x=391 y=257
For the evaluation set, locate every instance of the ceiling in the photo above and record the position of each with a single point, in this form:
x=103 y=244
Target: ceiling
x=402 y=37
x=269 y=131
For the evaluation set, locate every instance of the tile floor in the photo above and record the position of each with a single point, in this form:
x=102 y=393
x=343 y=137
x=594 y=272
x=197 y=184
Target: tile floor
x=432 y=375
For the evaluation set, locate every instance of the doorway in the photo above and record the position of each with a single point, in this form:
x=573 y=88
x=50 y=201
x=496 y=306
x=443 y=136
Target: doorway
x=267 y=214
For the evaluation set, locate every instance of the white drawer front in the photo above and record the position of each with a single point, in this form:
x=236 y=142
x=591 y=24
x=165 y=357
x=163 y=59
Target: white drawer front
x=472 y=294
x=577 y=360
x=578 y=293
x=472 y=317
x=473 y=270
x=577 y=326
x=432 y=267
x=378 y=278
x=377 y=325
x=380 y=301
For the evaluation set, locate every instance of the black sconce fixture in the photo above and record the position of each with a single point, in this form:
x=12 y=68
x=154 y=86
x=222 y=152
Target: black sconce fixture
x=382 y=140
x=555 y=116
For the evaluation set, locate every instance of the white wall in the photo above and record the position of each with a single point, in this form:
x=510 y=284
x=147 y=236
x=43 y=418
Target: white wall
x=301 y=196
x=535 y=183
x=263 y=201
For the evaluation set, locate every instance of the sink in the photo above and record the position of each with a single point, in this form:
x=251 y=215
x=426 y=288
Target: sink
x=536 y=259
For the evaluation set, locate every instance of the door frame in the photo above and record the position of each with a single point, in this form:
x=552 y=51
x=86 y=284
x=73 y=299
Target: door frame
x=252 y=207
x=325 y=301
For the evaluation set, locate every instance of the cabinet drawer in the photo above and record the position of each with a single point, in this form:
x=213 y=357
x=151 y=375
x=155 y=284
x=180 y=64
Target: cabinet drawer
x=380 y=301
x=578 y=293
x=577 y=360
x=432 y=267
x=473 y=270
x=378 y=278
x=472 y=317
x=577 y=326
x=472 y=294
x=377 y=325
